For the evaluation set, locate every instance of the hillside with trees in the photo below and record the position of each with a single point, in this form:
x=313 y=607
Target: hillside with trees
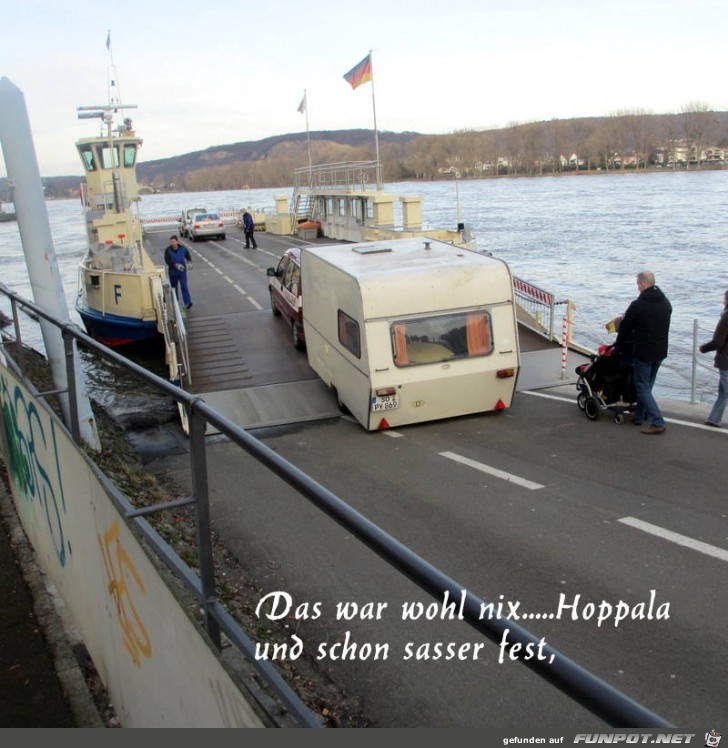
x=696 y=137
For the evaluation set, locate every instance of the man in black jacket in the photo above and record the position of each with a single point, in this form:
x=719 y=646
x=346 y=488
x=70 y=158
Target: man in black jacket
x=643 y=337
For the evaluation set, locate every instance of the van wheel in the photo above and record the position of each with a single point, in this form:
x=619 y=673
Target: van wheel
x=276 y=311
x=222 y=237
x=298 y=343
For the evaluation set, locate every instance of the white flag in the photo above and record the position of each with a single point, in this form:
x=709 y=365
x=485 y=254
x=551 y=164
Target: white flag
x=108 y=41
x=302 y=105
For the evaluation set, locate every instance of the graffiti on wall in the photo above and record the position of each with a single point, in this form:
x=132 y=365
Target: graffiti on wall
x=33 y=462
x=124 y=583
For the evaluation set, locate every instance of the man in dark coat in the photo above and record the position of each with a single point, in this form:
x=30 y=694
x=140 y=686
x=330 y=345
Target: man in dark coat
x=719 y=344
x=249 y=230
x=643 y=337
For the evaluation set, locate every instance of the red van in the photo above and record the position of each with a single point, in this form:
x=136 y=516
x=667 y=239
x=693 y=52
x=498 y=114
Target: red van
x=284 y=285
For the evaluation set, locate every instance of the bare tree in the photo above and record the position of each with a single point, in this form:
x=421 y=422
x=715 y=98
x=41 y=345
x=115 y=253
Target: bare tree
x=699 y=128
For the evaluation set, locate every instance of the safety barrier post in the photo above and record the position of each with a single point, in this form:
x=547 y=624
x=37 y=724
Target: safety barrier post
x=565 y=341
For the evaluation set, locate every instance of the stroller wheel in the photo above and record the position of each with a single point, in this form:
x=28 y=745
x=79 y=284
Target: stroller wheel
x=581 y=400
x=591 y=408
x=619 y=418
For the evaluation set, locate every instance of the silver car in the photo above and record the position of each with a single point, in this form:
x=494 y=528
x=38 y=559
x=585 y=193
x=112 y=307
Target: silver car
x=187 y=215
x=205 y=225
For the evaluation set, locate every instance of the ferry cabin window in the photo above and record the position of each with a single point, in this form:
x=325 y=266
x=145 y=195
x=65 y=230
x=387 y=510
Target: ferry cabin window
x=431 y=340
x=129 y=155
x=370 y=209
x=349 y=335
x=105 y=155
x=342 y=206
x=87 y=156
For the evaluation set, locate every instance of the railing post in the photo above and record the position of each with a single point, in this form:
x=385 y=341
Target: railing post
x=694 y=376
x=16 y=325
x=200 y=493
x=69 y=350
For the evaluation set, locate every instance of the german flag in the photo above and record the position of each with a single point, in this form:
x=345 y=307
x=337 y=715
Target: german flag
x=360 y=73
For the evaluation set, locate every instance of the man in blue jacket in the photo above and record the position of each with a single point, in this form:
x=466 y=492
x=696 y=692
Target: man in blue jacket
x=178 y=260
x=249 y=229
x=642 y=336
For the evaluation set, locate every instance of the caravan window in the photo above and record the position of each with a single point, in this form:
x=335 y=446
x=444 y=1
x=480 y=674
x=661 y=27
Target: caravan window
x=349 y=335
x=430 y=340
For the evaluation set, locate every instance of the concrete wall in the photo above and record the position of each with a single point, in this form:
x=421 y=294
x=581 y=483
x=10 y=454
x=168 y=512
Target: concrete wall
x=159 y=669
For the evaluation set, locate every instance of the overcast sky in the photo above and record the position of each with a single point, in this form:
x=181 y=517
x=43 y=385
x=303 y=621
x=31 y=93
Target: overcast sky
x=215 y=72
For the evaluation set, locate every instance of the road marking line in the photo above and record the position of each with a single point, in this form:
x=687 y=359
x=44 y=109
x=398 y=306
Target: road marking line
x=492 y=471
x=674 y=537
x=254 y=302
x=392 y=434
x=548 y=397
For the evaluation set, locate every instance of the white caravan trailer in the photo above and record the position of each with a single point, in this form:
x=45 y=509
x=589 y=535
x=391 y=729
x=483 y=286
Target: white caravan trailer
x=410 y=330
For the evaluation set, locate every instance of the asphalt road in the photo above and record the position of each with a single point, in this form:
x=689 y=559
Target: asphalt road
x=536 y=506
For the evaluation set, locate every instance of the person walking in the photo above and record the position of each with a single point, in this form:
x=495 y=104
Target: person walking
x=643 y=338
x=719 y=344
x=249 y=230
x=178 y=260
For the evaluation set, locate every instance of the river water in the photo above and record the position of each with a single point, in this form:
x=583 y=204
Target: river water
x=581 y=237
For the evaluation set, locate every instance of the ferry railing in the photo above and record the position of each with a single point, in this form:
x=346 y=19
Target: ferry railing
x=579 y=684
x=539 y=305
x=347 y=175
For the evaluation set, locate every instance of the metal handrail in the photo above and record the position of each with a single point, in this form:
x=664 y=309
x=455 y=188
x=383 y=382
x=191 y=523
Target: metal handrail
x=594 y=694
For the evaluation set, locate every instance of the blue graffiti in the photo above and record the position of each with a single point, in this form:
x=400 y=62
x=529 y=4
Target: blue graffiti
x=33 y=457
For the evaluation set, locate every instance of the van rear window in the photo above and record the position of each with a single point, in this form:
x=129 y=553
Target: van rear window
x=430 y=340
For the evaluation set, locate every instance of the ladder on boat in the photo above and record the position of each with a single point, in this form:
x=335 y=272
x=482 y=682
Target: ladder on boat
x=301 y=208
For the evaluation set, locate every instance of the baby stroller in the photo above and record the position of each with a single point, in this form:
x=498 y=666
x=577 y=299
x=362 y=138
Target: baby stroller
x=605 y=384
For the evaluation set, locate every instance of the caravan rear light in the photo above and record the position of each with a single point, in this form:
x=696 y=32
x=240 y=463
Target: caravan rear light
x=505 y=373
x=384 y=391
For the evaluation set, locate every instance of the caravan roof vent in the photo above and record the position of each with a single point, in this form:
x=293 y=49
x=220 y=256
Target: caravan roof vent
x=370 y=250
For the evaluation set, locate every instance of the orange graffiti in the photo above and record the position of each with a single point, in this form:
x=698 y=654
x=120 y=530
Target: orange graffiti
x=120 y=570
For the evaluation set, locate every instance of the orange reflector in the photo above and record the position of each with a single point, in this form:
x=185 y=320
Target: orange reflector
x=505 y=373
x=383 y=424
x=384 y=391
x=500 y=405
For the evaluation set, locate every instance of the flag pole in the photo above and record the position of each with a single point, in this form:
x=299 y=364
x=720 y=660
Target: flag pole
x=376 y=132
x=308 y=133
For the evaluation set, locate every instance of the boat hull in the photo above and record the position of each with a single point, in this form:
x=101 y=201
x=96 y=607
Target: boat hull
x=116 y=331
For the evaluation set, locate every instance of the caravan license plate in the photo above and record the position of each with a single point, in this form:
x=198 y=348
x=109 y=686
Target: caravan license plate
x=386 y=402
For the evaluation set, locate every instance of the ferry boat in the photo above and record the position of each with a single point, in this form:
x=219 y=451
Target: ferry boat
x=121 y=296
x=6 y=215
x=346 y=201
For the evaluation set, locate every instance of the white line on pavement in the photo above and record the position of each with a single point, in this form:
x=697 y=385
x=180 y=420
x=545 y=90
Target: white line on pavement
x=492 y=471
x=674 y=537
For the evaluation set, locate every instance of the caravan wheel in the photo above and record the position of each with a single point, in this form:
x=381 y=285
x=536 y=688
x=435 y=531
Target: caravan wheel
x=339 y=402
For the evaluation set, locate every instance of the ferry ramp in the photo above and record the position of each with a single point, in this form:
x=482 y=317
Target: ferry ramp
x=241 y=358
